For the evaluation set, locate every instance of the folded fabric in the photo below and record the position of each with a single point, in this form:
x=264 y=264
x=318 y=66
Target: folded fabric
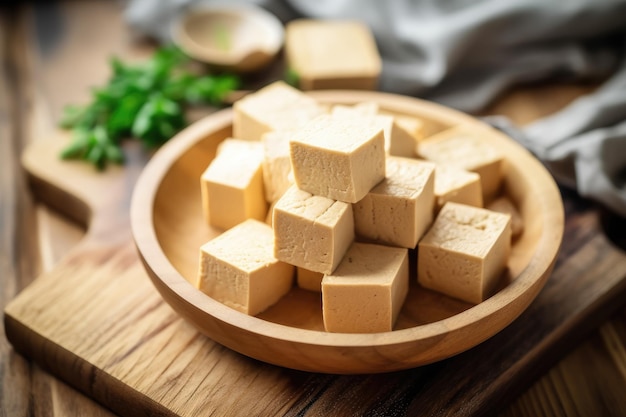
x=465 y=53
x=584 y=145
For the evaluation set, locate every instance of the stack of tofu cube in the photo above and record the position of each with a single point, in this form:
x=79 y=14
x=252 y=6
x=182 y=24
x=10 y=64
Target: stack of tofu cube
x=337 y=197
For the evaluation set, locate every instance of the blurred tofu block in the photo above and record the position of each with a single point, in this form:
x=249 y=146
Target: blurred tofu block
x=465 y=148
x=238 y=268
x=413 y=126
x=269 y=218
x=275 y=107
x=465 y=252
x=232 y=185
x=506 y=206
x=364 y=108
x=406 y=132
x=332 y=54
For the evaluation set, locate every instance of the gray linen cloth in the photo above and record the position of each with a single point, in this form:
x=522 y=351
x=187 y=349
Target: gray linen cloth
x=463 y=54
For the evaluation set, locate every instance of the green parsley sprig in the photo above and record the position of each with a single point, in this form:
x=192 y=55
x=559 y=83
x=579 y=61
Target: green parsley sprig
x=144 y=101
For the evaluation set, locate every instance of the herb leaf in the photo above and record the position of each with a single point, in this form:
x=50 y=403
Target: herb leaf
x=144 y=101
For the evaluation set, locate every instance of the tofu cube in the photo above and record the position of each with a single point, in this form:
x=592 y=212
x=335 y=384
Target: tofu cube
x=310 y=231
x=269 y=218
x=465 y=148
x=366 y=292
x=332 y=54
x=403 y=139
x=277 y=176
x=364 y=108
x=275 y=107
x=458 y=186
x=366 y=112
x=232 y=185
x=400 y=137
x=411 y=125
x=465 y=252
x=505 y=205
x=309 y=280
x=398 y=210
x=238 y=268
x=341 y=159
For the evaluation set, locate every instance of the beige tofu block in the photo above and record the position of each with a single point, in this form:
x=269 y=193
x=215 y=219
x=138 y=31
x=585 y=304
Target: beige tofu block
x=238 y=268
x=506 y=206
x=398 y=210
x=277 y=176
x=342 y=159
x=332 y=54
x=366 y=292
x=364 y=108
x=275 y=107
x=413 y=126
x=403 y=140
x=465 y=252
x=463 y=147
x=457 y=185
x=400 y=138
x=368 y=113
x=269 y=218
x=232 y=185
x=309 y=280
x=310 y=231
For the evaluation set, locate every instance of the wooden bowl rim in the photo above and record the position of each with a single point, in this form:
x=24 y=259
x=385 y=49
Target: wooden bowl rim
x=158 y=265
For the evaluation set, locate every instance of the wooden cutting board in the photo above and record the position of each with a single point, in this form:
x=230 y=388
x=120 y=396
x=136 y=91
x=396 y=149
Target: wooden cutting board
x=96 y=322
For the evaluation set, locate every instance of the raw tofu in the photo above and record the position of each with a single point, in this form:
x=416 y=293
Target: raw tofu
x=341 y=159
x=367 y=112
x=277 y=176
x=269 y=218
x=310 y=231
x=400 y=138
x=275 y=107
x=232 y=185
x=464 y=147
x=398 y=211
x=403 y=140
x=332 y=54
x=309 y=280
x=411 y=125
x=238 y=268
x=364 y=108
x=458 y=186
x=465 y=252
x=366 y=292
x=504 y=205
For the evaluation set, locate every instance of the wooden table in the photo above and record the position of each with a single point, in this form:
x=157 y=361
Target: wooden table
x=52 y=54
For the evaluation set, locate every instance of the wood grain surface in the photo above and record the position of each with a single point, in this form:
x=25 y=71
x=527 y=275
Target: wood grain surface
x=41 y=78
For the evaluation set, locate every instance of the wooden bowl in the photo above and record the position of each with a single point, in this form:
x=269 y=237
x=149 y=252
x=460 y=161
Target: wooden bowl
x=168 y=230
x=236 y=38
